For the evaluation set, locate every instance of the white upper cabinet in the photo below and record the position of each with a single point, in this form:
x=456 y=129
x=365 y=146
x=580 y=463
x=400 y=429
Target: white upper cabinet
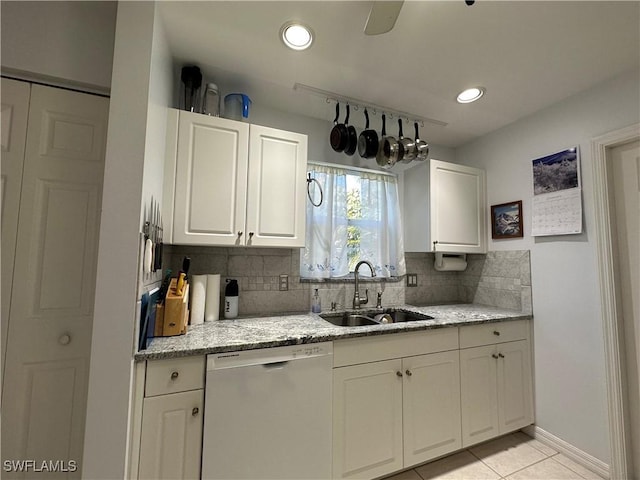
x=444 y=203
x=457 y=208
x=230 y=183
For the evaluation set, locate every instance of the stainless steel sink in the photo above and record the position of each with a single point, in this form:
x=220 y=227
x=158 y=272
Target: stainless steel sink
x=372 y=317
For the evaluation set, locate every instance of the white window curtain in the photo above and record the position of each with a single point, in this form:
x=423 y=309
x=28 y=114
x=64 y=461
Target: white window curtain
x=381 y=240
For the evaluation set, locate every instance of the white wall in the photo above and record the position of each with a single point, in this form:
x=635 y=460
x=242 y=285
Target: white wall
x=569 y=352
x=110 y=377
x=59 y=42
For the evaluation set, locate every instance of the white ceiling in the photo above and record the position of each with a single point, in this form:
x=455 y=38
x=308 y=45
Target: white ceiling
x=528 y=55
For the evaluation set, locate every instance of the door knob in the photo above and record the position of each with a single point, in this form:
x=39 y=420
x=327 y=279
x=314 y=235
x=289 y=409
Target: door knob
x=494 y=356
x=399 y=373
x=501 y=355
x=408 y=372
x=64 y=339
x=195 y=411
x=174 y=375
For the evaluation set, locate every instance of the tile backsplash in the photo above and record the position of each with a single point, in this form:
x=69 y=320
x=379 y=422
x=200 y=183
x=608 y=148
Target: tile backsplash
x=500 y=278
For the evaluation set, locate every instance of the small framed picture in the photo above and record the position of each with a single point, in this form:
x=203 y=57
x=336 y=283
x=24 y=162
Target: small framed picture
x=506 y=220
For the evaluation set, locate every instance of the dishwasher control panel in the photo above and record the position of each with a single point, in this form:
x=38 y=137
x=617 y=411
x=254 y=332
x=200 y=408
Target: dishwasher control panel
x=268 y=355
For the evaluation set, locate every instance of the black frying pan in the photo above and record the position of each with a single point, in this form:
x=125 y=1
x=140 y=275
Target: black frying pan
x=352 y=136
x=368 y=140
x=339 y=134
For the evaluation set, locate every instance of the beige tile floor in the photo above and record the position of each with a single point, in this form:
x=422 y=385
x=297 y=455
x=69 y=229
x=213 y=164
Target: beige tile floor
x=512 y=457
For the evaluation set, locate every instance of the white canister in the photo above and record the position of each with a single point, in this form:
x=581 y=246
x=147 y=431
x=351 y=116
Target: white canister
x=211 y=100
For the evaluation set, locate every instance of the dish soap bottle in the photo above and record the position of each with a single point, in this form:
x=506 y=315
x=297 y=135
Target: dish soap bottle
x=231 y=299
x=315 y=303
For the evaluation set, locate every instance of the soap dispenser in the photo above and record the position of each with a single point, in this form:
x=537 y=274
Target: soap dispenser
x=315 y=303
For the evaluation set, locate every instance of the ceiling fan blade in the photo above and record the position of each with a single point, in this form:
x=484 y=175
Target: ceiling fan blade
x=382 y=17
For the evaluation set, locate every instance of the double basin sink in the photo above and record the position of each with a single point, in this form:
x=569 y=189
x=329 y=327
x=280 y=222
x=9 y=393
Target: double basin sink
x=379 y=316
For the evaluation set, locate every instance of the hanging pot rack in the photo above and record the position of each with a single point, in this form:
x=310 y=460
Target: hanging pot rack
x=356 y=103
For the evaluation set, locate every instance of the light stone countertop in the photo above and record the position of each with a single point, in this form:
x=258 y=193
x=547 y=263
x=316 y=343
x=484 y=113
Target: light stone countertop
x=294 y=329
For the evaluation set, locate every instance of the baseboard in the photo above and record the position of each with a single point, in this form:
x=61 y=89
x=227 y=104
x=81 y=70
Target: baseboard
x=574 y=453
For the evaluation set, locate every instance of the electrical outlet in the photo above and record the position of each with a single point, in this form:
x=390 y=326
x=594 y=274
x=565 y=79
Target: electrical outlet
x=284 y=282
x=412 y=279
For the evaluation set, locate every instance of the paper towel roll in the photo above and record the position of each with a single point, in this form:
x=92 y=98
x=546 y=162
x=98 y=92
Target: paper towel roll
x=447 y=262
x=198 y=297
x=212 y=305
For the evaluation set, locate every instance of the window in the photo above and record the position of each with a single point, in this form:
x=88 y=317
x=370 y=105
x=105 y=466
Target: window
x=359 y=219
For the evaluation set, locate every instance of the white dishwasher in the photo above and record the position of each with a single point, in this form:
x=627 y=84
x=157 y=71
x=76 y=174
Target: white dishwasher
x=268 y=413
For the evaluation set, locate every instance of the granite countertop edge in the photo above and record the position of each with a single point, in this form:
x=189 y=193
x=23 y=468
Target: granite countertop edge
x=301 y=328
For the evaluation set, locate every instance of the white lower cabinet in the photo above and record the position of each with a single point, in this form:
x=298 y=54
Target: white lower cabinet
x=431 y=406
x=395 y=413
x=172 y=419
x=171 y=443
x=496 y=389
x=367 y=420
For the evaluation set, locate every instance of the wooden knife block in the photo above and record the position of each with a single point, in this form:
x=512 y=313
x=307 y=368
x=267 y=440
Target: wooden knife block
x=174 y=314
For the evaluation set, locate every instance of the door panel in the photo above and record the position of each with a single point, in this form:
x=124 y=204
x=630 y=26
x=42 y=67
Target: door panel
x=13 y=134
x=431 y=406
x=211 y=177
x=277 y=187
x=479 y=397
x=49 y=335
x=367 y=420
x=514 y=386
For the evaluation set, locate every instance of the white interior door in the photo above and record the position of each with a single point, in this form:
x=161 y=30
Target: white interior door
x=625 y=162
x=15 y=109
x=49 y=335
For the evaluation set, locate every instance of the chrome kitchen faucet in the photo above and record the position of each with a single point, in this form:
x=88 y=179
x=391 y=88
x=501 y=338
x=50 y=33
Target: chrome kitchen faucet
x=357 y=301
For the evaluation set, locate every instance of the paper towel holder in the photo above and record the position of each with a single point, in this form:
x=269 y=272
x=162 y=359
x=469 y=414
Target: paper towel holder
x=450 y=262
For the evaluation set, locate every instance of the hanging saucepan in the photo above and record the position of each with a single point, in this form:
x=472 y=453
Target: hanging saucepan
x=390 y=149
x=408 y=145
x=352 y=136
x=339 y=134
x=368 y=140
x=422 y=147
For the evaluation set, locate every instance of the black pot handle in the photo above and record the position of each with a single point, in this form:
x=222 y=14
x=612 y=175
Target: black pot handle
x=384 y=119
x=400 y=127
x=346 y=120
x=366 y=115
x=335 y=121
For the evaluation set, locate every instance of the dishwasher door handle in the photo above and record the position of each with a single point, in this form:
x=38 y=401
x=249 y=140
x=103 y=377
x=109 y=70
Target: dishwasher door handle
x=275 y=365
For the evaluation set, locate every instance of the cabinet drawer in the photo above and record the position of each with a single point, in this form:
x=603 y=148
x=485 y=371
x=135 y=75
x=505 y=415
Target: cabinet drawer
x=174 y=375
x=497 y=332
x=353 y=351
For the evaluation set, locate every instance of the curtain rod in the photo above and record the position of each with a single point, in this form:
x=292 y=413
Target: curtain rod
x=354 y=169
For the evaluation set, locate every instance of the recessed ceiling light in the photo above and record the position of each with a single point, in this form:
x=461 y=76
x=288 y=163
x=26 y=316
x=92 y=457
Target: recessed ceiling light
x=470 y=95
x=296 y=36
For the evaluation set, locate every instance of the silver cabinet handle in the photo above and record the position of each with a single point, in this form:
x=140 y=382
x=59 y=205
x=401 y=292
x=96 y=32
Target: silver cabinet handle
x=496 y=333
x=408 y=372
x=64 y=339
x=195 y=411
x=399 y=373
x=174 y=375
x=494 y=356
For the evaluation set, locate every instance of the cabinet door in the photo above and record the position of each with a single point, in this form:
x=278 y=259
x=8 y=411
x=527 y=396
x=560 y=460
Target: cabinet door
x=211 y=180
x=431 y=406
x=457 y=208
x=514 y=386
x=277 y=188
x=478 y=372
x=171 y=443
x=367 y=419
